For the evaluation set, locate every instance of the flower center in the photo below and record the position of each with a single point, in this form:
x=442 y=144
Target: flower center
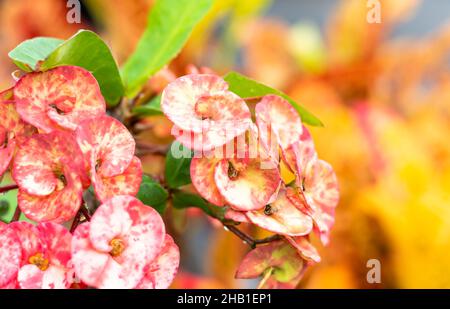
x=268 y=210
x=61 y=180
x=233 y=173
x=39 y=260
x=64 y=104
x=118 y=247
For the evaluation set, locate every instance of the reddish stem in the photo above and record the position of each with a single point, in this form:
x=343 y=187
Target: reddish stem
x=16 y=215
x=85 y=212
x=8 y=188
x=250 y=240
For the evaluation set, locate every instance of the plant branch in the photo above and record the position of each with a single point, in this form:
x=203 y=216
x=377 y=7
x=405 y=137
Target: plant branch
x=76 y=222
x=250 y=240
x=8 y=188
x=16 y=215
x=85 y=211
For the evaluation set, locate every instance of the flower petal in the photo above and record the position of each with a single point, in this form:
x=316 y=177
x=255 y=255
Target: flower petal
x=127 y=183
x=58 y=241
x=202 y=175
x=107 y=144
x=305 y=248
x=10 y=254
x=30 y=277
x=162 y=270
x=29 y=239
x=283 y=218
x=58 y=98
x=275 y=114
x=251 y=189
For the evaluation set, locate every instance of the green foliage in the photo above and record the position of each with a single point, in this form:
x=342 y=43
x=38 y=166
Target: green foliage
x=168 y=28
x=248 y=88
x=153 y=107
x=151 y=193
x=182 y=200
x=178 y=162
x=85 y=49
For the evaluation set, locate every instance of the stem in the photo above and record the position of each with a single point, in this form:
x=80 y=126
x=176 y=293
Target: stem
x=75 y=222
x=85 y=212
x=266 y=277
x=16 y=215
x=8 y=188
x=250 y=240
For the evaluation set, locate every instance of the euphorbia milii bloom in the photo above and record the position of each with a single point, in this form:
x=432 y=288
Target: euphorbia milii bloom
x=12 y=129
x=206 y=115
x=45 y=256
x=114 y=248
x=59 y=98
x=49 y=169
x=10 y=257
x=109 y=148
x=160 y=272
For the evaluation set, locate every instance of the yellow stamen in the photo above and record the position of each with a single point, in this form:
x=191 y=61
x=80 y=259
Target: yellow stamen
x=39 y=260
x=117 y=247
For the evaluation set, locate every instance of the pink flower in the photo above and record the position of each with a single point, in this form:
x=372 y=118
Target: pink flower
x=206 y=115
x=59 y=98
x=160 y=273
x=12 y=129
x=115 y=247
x=10 y=257
x=46 y=256
x=108 y=148
x=49 y=169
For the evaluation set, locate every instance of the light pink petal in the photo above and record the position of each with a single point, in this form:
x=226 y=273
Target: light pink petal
x=57 y=278
x=58 y=98
x=30 y=277
x=237 y=216
x=298 y=155
x=108 y=143
x=10 y=254
x=127 y=183
x=182 y=97
x=251 y=189
x=29 y=237
x=58 y=241
x=161 y=271
x=282 y=217
x=305 y=248
x=59 y=206
x=6 y=154
x=89 y=264
x=275 y=114
x=202 y=175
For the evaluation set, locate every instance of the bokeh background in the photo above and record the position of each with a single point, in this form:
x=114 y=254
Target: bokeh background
x=382 y=90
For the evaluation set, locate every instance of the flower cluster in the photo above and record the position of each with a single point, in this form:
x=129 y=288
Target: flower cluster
x=59 y=141
x=267 y=174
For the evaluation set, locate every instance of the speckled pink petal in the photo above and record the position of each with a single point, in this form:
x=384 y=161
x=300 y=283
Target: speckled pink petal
x=29 y=239
x=89 y=264
x=30 y=277
x=202 y=175
x=322 y=195
x=108 y=143
x=10 y=254
x=304 y=248
x=180 y=99
x=277 y=114
x=209 y=139
x=57 y=278
x=127 y=183
x=42 y=158
x=57 y=240
x=298 y=155
x=282 y=217
x=58 y=98
x=59 y=206
x=6 y=154
x=251 y=189
x=162 y=270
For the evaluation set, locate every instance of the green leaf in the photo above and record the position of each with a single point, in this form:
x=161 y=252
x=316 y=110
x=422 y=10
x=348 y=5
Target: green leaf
x=248 y=88
x=151 y=193
x=27 y=54
x=182 y=200
x=153 y=107
x=178 y=162
x=169 y=25
x=85 y=49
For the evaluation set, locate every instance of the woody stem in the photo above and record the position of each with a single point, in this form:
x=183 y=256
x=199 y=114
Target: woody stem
x=8 y=188
x=250 y=240
x=16 y=215
x=85 y=211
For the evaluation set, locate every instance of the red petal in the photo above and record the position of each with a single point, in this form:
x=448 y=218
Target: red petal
x=107 y=143
x=161 y=271
x=29 y=239
x=10 y=254
x=123 y=184
x=58 y=98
